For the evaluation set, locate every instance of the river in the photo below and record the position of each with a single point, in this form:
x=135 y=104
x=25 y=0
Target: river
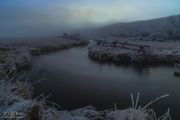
x=73 y=80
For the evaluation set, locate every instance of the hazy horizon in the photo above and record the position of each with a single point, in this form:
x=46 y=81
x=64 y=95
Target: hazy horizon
x=33 y=18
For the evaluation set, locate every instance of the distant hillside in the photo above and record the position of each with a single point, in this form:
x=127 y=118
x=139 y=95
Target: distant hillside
x=167 y=28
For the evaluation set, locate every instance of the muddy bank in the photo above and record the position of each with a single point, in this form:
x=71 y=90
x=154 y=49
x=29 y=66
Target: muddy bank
x=136 y=52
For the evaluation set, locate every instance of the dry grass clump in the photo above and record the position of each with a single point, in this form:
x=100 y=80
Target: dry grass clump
x=136 y=112
x=12 y=89
x=15 y=95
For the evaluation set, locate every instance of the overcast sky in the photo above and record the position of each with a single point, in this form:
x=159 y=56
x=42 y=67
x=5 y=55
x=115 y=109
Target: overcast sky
x=48 y=17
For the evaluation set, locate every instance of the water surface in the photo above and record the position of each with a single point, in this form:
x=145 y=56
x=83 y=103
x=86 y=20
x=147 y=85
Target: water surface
x=74 y=81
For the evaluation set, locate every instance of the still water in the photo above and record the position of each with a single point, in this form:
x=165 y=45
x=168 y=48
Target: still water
x=73 y=80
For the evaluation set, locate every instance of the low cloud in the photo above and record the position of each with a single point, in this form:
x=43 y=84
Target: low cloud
x=50 y=19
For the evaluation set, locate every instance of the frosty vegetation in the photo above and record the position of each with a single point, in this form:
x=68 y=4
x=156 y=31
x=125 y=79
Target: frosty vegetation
x=161 y=35
x=128 y=51
x=162 y=29
x=16 y=95
x=16 y=55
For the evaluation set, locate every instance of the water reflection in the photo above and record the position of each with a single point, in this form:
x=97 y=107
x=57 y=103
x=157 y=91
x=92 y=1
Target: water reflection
x=141 y=70
x=74 y=81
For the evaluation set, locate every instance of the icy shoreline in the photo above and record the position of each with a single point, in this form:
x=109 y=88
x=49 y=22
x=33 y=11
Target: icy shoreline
x=158 y=52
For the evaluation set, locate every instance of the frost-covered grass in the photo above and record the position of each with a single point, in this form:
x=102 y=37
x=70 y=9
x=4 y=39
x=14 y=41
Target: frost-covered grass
x=158 y=52
x=16 y=95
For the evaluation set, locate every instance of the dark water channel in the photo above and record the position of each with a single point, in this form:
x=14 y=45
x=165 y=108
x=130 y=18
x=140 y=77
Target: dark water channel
x=74 y=81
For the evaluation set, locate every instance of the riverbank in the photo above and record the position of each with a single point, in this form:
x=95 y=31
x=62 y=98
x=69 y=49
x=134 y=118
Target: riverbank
x=140 y=52
x=17 y=55
x=18 y=103
x=18 y=95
